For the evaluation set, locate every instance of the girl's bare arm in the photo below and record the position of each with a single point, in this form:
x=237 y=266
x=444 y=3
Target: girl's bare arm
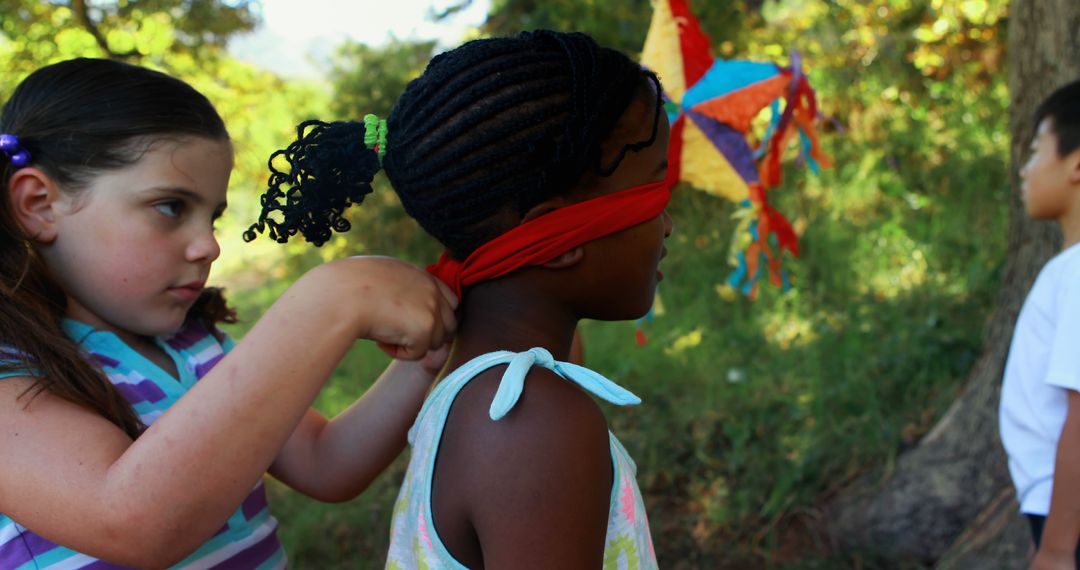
x=155 y=500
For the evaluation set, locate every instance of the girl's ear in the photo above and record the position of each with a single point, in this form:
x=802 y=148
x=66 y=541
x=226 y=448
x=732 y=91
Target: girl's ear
x=543 y=208
x=568 y=259
x=33 y=199
x=1072 y=162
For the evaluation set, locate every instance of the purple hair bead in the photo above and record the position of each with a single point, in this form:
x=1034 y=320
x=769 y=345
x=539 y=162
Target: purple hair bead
x=17 y=155
x=20 y=159
x=9 y=144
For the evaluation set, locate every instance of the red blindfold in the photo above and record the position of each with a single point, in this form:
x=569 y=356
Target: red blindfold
x=543 y=239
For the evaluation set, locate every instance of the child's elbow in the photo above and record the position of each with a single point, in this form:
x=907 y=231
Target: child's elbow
x=144 y=554
x=149 y=561
x=334 y=493
x=151 y=545
x=333 y=487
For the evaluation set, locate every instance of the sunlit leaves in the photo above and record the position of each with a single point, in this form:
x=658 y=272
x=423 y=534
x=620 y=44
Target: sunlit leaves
x=618 y=24
x=369 y=79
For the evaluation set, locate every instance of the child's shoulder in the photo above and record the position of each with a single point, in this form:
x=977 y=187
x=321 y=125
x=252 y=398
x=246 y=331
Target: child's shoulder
x=1068 y=260
x=1063 y=268
x=545 y=464
x=553 y=446
x=550 y=408
x=530 y=419
x=553 y=426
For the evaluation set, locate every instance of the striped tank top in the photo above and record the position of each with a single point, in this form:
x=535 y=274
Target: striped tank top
x=414 y=541
x=248 y=541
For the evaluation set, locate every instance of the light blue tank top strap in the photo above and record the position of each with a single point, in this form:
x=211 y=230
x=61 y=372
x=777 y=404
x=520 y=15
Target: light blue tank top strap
x=513 y=381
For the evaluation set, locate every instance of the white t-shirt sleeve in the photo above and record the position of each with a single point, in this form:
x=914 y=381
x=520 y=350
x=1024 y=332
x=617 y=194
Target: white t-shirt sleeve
x=1063 y=368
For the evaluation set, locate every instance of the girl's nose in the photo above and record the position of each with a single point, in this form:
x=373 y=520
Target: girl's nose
x=205 y=248
x=669 y=224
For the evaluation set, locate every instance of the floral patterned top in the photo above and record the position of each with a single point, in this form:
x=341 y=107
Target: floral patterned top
x=414 y=543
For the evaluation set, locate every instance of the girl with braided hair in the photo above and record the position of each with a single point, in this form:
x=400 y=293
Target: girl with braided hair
x=540 y=163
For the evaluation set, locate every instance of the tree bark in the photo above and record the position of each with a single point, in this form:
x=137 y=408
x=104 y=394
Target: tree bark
x=953 y=485
x=997 y=538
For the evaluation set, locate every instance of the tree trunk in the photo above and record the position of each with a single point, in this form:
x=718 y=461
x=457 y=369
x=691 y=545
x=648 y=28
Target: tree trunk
x=955 y=483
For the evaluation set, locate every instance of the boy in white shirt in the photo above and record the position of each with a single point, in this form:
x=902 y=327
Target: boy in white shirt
x=1040 y=397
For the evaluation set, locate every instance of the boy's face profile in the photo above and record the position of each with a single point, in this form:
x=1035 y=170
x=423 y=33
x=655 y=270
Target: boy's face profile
x=1051 y=182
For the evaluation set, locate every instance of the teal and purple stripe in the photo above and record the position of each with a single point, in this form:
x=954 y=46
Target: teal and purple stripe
x=248 y=540
x=255 y=556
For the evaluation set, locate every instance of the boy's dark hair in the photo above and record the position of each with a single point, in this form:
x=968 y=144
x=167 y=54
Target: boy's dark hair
x=1063 y=107
x=79 y=118
x=490 y=129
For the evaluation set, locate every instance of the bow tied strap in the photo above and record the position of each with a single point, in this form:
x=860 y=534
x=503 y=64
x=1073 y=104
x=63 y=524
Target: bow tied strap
x=513 y=381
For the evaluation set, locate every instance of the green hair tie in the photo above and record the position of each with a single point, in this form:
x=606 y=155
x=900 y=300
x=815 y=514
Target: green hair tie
x=375 y=135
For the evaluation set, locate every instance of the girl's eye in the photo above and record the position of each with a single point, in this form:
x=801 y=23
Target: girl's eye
x=217 y=218
x=171 y=208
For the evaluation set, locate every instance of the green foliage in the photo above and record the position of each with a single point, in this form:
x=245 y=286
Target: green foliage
x=617 y=24
x=370 y=80
x=129 y=29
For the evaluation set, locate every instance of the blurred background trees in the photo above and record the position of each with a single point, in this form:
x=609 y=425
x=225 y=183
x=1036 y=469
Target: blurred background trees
x=766 y=423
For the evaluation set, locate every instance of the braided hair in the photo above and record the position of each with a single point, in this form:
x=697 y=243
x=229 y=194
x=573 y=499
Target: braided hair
x=489 y=130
